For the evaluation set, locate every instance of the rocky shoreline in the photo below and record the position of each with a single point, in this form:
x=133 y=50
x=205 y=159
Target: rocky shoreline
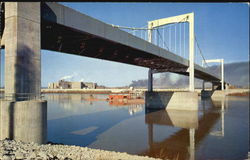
x=12 y=149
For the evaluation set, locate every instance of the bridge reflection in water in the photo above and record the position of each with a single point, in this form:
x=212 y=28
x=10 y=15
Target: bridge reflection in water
x=190 y=128
x=195 y=127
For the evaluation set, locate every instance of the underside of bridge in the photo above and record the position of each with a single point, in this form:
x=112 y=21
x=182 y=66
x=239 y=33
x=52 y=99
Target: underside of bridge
x=57 y=34
x=59 y=38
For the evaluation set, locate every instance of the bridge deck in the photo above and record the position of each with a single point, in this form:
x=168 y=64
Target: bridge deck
x=66 y=30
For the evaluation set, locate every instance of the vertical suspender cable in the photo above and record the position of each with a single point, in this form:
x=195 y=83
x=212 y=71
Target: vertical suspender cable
x=163 y=38
x=184 y=40
x=0 y=64
x=170 y=39
x=195 y=53
x=158 y=40
x=155 y=37
x=158 y=35
x=195 y=60
x=175 y=38
x=0 y=43
x=180 y=40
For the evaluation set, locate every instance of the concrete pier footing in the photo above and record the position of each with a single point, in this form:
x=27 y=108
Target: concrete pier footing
x=219 y=94
x=171 y=100
x=214 y=94
x=206 y=94
x=24 y=120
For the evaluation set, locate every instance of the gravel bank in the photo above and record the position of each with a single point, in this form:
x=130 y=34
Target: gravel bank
x=11 y=149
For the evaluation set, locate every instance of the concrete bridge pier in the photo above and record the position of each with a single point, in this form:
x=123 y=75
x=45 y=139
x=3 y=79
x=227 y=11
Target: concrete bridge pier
x=206 y=93
x=216 y=91
x=23 y=113
x=176 y=100
x=172 y=100
x=150 y=80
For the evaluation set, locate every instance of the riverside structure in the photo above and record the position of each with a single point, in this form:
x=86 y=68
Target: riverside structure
x=30 y=27
x=62 y=84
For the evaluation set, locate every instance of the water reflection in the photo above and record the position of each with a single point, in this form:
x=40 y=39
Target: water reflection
x=73 y=120
x=221 y=131
x=75 y=103
x=182 y=144
x=206 y=134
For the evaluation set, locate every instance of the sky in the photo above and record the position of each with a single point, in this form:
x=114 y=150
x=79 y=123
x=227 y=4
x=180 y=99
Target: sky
x=222 y=30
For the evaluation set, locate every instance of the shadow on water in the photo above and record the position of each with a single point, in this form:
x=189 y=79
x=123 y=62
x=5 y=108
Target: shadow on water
x=83 y=130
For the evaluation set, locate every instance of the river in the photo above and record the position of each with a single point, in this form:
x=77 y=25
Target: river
x=218 y=130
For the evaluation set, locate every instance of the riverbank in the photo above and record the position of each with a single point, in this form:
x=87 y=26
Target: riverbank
x=246 y=93
x=11 y=149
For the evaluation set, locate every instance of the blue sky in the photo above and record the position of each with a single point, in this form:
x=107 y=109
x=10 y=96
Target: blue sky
x=222 y=30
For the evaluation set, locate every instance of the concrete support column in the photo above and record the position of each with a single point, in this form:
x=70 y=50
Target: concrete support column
x=150 y=80
x=203 y=85
x=213 y=86
x=191 y=52
x=222 y=74
x=150 y=32
x=22 y=50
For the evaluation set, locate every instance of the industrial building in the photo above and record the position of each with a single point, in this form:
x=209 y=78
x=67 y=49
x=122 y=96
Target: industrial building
x=62 y=84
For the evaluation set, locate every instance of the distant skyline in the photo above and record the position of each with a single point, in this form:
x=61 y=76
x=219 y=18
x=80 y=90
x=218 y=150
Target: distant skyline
x=221 y=28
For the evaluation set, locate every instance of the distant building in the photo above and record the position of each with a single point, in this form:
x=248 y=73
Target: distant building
x=62 y=84
x=90 y=85
x=65 y=84
x=77 y=85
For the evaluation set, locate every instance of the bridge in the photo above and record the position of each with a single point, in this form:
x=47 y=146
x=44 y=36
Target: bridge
x=26 y=28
